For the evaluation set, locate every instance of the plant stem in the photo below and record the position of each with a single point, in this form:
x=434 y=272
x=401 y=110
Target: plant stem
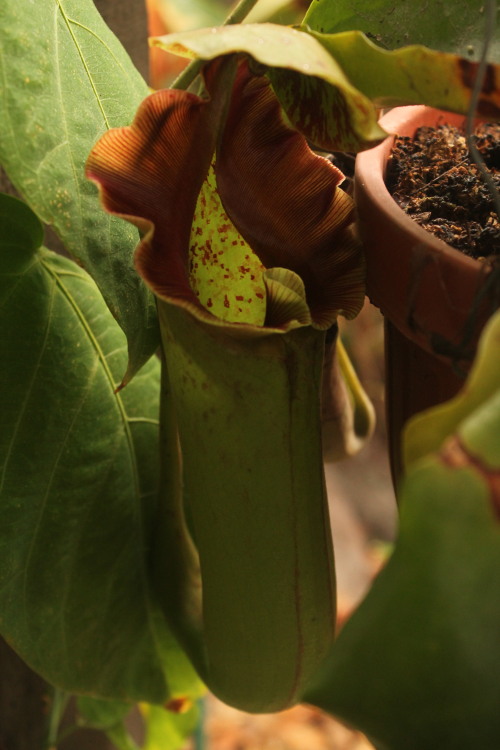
x=199 y=735
x=240 y=12
x=59 y=703
x=364 y=414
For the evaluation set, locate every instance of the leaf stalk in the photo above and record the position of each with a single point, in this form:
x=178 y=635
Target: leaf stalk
x=240 y=12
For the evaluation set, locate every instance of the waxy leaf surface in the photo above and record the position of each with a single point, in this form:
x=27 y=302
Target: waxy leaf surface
x=166 y=730
x=451 y=27
x=412 y=75
x=426 y=431
x=78 y=482
x=417 y=664
x=331 y=95
x=101 y=714
x=66 y=80
x=306 y=78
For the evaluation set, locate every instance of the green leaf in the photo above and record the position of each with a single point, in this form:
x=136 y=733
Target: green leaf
x=311 y=86
x=191 y=14
x=417 y=664
x=479 y=440
x=99 y=714
x=450 y=27
x=425 y=432
x=330 y=85
x=163 y=729
x=78 y=483
x=66 y=79
x=268 y=43
x=411 y=75
x=121 y=738
x=166 y=730
x=21 y=235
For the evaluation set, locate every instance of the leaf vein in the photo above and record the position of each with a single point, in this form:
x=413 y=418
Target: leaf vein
x=20 y=277
x=24 y=404
x=106 y=46
x=127 y=430
x=84 y=62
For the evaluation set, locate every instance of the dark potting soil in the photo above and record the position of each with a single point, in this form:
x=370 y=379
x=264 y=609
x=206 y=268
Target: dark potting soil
x=435 y=181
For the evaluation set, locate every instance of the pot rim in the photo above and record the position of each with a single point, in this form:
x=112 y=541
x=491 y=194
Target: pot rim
x=430 y=291
x=371 y=168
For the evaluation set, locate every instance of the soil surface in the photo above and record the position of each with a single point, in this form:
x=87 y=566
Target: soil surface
x=435 y=181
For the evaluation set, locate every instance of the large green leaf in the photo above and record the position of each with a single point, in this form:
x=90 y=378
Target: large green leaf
x=451 y=27
x=411 y=75
x=330 y=85
x=78 y=482
x=101 y=714
x=312 y=87
x=65 y=80
x=163 y=729
x=166 y=730
x=417 y=665
x=426 y=431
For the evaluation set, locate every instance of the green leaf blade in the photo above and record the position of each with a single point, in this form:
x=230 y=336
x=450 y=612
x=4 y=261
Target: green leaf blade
x=451 y=27
x=330 y=85
x=417 y=664
x=426 y=431
x=410 y=75
x=311 y=86
x=166 y=730
x=69 y=80
x=77 y=498
x=100 y=714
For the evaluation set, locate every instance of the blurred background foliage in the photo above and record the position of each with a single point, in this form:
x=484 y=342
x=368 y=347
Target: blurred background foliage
x=168 y=16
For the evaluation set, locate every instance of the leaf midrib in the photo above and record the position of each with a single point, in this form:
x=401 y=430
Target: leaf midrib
x=84 y=63
x=102 y=359
x=126 y=426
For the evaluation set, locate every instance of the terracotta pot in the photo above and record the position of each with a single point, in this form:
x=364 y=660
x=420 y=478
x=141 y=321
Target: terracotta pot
x=435 y=299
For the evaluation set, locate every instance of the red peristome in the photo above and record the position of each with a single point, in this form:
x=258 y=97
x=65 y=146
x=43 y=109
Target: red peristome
x=151 y=173
x=285 y=201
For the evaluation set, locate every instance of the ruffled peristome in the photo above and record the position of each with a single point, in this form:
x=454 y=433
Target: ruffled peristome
x=280 y=198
